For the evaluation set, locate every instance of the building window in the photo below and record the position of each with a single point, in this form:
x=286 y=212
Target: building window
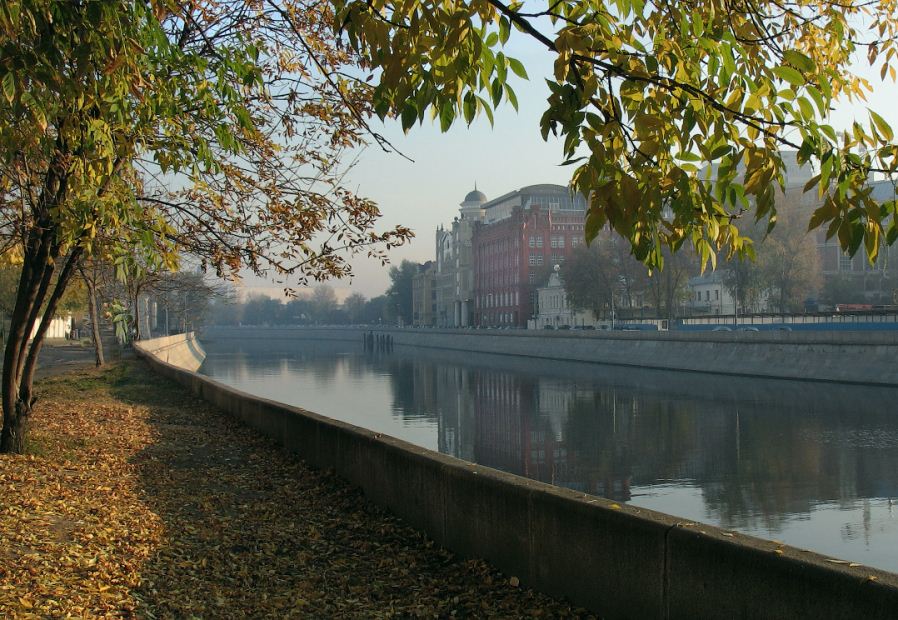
x=539 y=241
x=554 y=203
x=707 y=295
x=716 y=294
x=532 y=242
x=532 y=261
x=845 y=263
x=539 y=259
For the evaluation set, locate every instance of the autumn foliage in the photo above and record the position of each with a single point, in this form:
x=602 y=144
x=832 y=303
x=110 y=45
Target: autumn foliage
x=674 y=113
x=135 y=499
x=140 y=132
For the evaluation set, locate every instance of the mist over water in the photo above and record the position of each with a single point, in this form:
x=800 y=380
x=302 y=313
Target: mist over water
x=814 y=465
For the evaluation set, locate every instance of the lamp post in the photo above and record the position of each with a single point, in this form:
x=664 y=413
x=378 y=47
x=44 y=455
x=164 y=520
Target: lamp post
x=612 y=308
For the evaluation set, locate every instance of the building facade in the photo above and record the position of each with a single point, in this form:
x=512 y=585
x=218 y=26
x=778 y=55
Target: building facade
x=521 y=236
x=853 y=278
x=708 y=294
x=553 y=309
x=454 y=277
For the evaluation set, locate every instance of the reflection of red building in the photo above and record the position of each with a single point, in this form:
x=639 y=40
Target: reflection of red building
x=514 y=433
x=499 y=402
x=523 y=233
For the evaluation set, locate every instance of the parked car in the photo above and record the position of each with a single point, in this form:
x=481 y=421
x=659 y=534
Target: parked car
x=748 y=329
x=721 y=328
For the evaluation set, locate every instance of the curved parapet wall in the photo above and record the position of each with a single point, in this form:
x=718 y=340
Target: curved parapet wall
x=182 y=350
x=621 y=561
x=866 y=358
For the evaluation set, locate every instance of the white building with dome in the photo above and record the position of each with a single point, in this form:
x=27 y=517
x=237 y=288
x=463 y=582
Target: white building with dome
x=454 y=277
x=553 y=308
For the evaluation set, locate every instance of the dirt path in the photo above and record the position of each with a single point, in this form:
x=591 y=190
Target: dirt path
x=63 y=356
x=139 y=500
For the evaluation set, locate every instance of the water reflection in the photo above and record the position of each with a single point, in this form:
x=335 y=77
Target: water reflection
x=813 y=464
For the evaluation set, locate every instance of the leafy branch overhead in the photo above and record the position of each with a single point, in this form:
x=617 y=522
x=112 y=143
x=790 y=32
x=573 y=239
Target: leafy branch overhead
x=139 y=132
x=211 y=128
x=675 y=112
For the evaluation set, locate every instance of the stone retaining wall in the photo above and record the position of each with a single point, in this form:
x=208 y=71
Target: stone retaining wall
x=863 y=357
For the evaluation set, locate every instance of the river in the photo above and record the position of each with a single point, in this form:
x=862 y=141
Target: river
x=813 y=465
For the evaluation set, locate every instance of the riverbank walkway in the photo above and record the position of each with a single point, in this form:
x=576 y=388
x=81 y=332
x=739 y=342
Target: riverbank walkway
x=137 y=499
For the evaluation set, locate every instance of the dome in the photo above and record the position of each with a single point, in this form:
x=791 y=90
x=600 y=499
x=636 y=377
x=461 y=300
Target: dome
x=475 y=196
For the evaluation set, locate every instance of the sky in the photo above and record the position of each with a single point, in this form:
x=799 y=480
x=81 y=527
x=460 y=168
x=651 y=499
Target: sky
x=426 y=192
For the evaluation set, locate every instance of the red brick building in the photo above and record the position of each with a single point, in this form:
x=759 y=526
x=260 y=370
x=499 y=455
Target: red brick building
x=523 y=234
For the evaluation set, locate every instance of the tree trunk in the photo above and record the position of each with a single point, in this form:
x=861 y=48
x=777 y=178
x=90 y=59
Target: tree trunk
x=27 y=379
x=95 y=321
x=12 y=437
x=136 y=305
x=37 y=261
x=20 y=358
x=42 y=249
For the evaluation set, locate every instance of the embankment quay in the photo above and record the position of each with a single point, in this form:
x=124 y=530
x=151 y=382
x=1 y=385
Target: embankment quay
x=865 y=358
x=621 y=560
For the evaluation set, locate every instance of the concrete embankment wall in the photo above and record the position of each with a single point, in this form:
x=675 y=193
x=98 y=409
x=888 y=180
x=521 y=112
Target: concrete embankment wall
x=182 y=350
x=621 y=561
x=850 y=357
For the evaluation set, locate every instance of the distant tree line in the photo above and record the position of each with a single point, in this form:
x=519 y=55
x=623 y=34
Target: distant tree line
x=784 y=274
x=320 y=307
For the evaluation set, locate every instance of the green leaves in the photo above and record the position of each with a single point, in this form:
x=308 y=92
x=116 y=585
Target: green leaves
x=881 y=126
x=8 y=86
x=447 y=115
x=518 y=68
x=677 y=117
x=788 y=74
x=409 y=115
x=799 y=61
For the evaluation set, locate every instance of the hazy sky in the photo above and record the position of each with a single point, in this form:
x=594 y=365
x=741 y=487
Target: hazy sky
x=426 y=192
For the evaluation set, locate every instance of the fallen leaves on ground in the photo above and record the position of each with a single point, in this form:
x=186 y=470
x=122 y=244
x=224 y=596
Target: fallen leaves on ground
x=139 y=500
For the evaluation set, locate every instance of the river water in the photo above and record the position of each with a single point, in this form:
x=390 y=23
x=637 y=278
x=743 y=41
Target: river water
x=813 y=465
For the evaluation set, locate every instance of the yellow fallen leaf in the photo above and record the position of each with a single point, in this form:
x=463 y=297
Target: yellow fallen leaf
x=24 y=602
x=514 y=582
x=615 y=506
